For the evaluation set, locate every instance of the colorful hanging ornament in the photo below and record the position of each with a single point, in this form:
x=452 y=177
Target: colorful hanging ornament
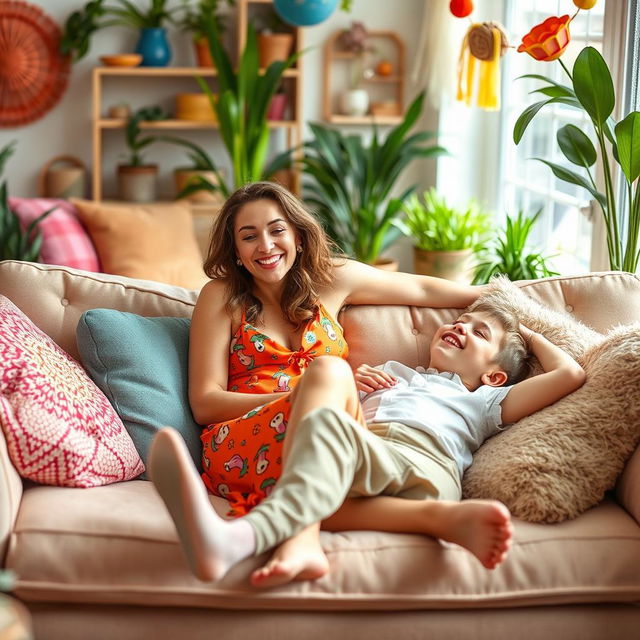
x=461 y=8
x=547 y=41
x=479 y=65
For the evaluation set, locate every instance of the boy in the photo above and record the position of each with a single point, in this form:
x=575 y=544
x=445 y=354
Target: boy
x=423 y=429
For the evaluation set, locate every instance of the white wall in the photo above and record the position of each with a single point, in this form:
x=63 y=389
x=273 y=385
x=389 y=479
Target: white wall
x=66 y=129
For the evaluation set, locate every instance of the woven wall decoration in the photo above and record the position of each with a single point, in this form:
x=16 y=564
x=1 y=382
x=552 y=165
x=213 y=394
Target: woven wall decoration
x=33 y=72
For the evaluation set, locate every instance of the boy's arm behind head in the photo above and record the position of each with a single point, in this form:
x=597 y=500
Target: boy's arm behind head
x=562 y=375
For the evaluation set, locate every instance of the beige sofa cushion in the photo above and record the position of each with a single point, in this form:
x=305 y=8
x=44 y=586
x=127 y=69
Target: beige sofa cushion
x=119 y=546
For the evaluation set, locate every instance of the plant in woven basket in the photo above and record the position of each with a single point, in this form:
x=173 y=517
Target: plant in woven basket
x=17 y=243
x=510 y=255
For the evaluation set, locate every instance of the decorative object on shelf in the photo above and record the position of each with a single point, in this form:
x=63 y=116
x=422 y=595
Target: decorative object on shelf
x=136 y=180
x=193 y=20
x=306 y=13
x=278 y=105
x=152 y=44
x=275 y=38
x=33 y=72
x=241 y=106
x=17 y=243
x=353 y=103
x=446 y=238
x=119 y=111
x=350 y=182
x=122 y=60
x=510 y=255
x=63 y=177
x=591 y=90
x=195 y=106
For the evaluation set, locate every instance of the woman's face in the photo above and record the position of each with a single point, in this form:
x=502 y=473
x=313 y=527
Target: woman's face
x=265 y=240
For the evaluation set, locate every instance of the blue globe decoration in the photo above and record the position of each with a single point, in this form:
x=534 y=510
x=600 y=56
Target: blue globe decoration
x=305 y=13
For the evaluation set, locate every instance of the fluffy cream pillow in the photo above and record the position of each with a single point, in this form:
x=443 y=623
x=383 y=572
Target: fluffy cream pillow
x=558 y=462
x=149 y=241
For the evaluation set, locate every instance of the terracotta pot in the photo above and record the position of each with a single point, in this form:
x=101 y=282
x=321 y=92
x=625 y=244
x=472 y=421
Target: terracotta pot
x=137 y=184
x=203 y=54
x=452 y=265
x=273 y=47
x=182 y=178
x=386 y=264
x=195 y=106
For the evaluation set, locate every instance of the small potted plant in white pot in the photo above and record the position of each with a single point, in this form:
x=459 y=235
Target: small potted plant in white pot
x=355 y=100
x=137 y=180
x=446 y=238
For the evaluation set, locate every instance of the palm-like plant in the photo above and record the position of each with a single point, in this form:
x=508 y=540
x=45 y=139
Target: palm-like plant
x=510 y=255
x=133 y=132
x=351 y=182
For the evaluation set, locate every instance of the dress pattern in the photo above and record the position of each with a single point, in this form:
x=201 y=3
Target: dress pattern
x=242 y=458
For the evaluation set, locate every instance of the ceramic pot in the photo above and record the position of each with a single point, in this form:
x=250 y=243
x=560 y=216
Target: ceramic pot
x=354 y=102
x=452 y=265
x=203 y=53
x=137 y=184
x=183 y=176
x=273 y=47
x=154 y=47
x=277 y=107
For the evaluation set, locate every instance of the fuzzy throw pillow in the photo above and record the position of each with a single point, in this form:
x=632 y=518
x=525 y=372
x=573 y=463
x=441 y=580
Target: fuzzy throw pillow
x=559 y=462
x=60 y=428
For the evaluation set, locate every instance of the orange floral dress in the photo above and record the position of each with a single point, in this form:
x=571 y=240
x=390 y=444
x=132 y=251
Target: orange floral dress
x=242 y=458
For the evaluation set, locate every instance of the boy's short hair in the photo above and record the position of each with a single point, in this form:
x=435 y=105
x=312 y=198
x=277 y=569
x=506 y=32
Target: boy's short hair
x=513 y=356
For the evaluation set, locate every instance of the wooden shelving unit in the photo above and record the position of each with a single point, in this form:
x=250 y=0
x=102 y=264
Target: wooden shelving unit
x=101 y=123
x=387 y=45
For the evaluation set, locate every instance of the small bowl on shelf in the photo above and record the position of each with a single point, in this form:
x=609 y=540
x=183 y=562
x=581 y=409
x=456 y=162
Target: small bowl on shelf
x=122 y=60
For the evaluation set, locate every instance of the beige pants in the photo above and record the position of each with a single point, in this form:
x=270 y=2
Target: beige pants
x=333 y=457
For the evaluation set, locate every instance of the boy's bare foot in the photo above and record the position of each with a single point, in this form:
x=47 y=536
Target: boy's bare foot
x=211 y=544
x=299 y=558
x=481 y=526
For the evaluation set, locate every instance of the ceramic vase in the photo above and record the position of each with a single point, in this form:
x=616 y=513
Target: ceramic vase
x=354 y=102
x=154 y=47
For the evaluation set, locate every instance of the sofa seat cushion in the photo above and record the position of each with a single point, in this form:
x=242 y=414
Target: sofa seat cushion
x=116 y=544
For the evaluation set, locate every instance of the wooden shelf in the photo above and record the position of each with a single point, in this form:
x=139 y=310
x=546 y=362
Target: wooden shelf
x=368 y=119
x=114 y=123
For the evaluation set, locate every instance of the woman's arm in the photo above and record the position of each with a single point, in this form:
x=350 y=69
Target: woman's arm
x=562 y=375
x=362 y=284
x=209 y=342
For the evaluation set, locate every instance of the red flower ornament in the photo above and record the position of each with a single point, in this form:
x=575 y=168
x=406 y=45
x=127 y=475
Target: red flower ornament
x=548 y=40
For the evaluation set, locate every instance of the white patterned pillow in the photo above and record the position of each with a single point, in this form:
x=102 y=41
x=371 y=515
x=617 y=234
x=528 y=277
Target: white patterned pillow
x=60 y=428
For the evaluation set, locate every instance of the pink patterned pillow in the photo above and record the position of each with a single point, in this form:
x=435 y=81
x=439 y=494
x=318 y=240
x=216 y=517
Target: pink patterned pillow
x=60 y=428
x=64 y=239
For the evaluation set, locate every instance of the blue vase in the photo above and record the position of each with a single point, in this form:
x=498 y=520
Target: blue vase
x=154 y=47
x=305 y=13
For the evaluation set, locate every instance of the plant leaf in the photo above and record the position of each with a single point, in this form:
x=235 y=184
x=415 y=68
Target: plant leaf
x=528 y=114
x=628 y=141
x=576 y=146
x=593 y=85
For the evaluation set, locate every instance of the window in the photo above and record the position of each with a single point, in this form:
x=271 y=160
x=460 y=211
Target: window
x=565 y=226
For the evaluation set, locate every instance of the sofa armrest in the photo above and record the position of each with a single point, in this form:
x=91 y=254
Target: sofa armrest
x=628 y=489
x=10 y=496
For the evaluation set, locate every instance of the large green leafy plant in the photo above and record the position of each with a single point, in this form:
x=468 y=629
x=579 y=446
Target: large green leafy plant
x=17 y=243
x=434 y=225
x=351 y=182
x=592 y=91
x=509 y=253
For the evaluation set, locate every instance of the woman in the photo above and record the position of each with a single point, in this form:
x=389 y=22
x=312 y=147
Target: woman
x=268 y=311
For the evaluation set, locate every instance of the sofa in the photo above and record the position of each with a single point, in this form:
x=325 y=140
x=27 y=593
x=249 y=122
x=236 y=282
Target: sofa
x=105 y=562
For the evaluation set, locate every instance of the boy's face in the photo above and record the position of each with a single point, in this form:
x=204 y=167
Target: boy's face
x=468 y=347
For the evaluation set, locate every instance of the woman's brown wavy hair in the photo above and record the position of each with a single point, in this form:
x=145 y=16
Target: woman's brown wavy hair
x=312 y=269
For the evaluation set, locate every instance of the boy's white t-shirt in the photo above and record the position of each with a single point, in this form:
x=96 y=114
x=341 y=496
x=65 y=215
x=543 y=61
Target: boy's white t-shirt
x=439 y=404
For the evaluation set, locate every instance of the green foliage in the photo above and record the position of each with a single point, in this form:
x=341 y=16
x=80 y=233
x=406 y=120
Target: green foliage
x=133 y=133
x=509 y=254
x=81 y=24
x=351 y=182
x=195 y=18
x=242 y=104
x=592 y=91
x=436 y=226
x=16 y=243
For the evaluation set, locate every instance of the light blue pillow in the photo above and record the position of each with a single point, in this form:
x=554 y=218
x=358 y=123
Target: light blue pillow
x=141 y=365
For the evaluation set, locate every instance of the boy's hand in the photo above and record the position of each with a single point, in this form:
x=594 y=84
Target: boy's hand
x=527 y=334
x=369 y=379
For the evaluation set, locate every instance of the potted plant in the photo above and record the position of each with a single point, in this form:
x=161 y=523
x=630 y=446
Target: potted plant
x=241 y=106
x=136 y=180
x=446 y=238
x=355 y=100
x=17 y=243
x=351 y=182
x=194 y=20
x=591 y=91
x=152 y=43
x=275 y=38
x=509 y=254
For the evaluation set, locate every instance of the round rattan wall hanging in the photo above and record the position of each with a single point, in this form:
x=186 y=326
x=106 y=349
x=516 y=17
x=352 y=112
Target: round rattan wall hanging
x=33 y=72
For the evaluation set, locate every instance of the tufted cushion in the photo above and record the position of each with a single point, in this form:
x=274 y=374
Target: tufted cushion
x=60 y=428
x=65 y=241
x=558 y=462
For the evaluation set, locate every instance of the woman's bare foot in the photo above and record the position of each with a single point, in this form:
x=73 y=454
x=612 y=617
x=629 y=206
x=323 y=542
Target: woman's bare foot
x=211 y=544
x=481 y=526
x=299 y=558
